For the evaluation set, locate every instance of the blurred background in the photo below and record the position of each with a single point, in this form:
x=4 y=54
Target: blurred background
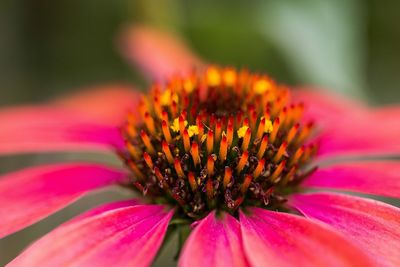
x=48 y=48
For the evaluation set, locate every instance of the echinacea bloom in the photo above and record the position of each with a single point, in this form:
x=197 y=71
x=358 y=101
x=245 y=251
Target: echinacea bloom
x=245 y=160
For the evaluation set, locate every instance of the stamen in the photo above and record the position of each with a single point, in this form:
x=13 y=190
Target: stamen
x=157 y=106
x=283 y=117
x=210 y=165
x=167 y=152
x=290 y=175
x=195 y=153
x=304 y=133
x=227 y=176
x=246 y=139
x=164 y=116
x=131 y=131
x=242 y=162
x=223 y=149
x=261 y=128
x=166 y=131
x=182 y=124
x=297 y=155
x=178 y=168
x=186 y=140
x=280 y=152
x=213 y=77
x=278 y=171
x=247 y=180
x=209 y=189
x=229 y=134
x=229 y=77
x=217 y=139
x=200 y=126
x=148 y=160
x=158 y=174
x=292 y=133
x=174 y=109
x=147 y=142
x=261 y=86
x=210 y=142
x=149 y=123
x=275 y=130
x=192 y=181
x=218 y=130
x=259 y=168
x=133 y=150
x=263 y=147
x=136 y=170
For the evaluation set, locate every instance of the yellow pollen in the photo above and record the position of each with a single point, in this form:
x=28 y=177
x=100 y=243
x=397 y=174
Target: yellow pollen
x=193 y=130
x=167 y=97
x=203 y=138
x=216 y=139
x=242 y=131
x=268 y=128
x=175 y=125
x=213 y=76
x=261 y=86
x=188 y=85
x=229 y=76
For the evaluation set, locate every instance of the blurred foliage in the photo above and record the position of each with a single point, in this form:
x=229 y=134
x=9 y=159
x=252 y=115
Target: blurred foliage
x=52 y=47
x=322 y=40
x=47 y=47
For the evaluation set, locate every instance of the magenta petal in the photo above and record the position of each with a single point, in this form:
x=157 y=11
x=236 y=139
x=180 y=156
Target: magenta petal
x=375 y=177
x=357 y=138
x=106 y=207
x=159 y=54
x=373 y=133
x=214 y=242
x=33 y=129
x=371 y=224
x=127 y=236
x=327 y=108
x=348 y=128
x=282 y=239
x=30 y=195
x=391 y=113
x=106 y=105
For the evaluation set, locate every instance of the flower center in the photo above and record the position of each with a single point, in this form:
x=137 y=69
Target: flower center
x=217 y=139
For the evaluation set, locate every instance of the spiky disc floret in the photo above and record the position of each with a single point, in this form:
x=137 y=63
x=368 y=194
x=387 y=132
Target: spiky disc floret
x=217 y=139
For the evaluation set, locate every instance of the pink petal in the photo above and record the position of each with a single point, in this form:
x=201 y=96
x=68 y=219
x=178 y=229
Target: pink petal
x=282 y=239
x=388 y=113
x=325 y=107
x=348 y=128
x=214 y=242
x=159 y=54
x=30 y=195
x=128 y=236
x=372 y=225
x=106 y=207
x=375 y=177
x=33 y=129
x=107 y=105
x=365 y=136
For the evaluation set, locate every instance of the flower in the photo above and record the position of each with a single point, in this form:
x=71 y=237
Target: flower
x=248 y=176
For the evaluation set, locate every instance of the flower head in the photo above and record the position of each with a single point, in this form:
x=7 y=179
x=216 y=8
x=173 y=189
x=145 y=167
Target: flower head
x=231 y=139
x=232 y=153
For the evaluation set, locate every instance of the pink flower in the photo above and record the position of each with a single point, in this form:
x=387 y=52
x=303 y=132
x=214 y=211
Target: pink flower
x=246 y=176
